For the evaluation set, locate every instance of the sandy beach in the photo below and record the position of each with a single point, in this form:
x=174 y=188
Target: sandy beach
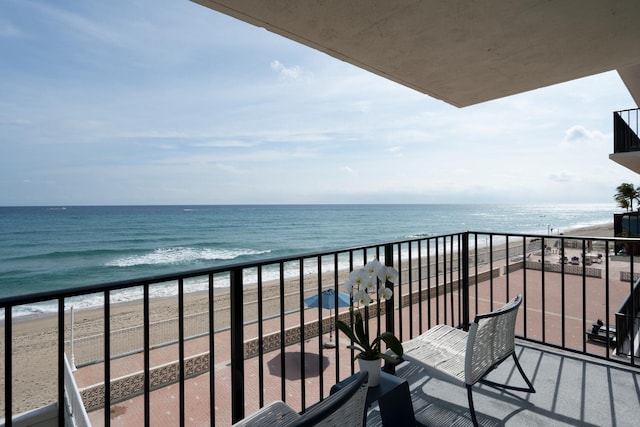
x=601 y=230
x=35 y=338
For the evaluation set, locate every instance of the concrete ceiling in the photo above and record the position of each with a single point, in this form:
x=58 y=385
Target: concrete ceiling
x=463 y=52
x=629 y=160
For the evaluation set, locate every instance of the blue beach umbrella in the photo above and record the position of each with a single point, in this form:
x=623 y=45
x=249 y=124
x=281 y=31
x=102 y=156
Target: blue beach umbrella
x=327 y=299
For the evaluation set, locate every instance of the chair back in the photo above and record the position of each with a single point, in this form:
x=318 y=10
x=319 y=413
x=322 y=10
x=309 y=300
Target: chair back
x=345 y=407
x=491 y=340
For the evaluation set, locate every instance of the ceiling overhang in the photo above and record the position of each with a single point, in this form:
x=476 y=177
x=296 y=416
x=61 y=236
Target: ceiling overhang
x=631 y=78
x=630 y=160
x=463 y=52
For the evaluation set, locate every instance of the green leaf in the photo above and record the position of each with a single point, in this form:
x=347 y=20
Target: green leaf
x=388 y=358
x=360 y=339
x=346 y=329
x=392 y=343
x=361 y=334
x=356 y=347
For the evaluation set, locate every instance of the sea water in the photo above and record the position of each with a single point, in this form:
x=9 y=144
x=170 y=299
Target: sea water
x=49 y=248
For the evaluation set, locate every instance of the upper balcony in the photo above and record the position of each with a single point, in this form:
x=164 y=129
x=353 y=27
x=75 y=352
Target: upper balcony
x=244 y=337
x=626 y=144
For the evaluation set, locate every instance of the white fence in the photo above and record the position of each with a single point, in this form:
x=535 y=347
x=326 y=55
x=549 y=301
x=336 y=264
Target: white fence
x=75 y=413
x=88 y=350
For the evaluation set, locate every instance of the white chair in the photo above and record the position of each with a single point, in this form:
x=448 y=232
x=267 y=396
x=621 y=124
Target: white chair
x=345 y=407
x=470 y=356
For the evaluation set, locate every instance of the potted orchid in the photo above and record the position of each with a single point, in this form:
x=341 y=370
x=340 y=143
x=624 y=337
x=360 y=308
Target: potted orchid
x=367 y=285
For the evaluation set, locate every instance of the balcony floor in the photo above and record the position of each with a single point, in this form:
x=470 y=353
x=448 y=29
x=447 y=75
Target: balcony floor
x=571 y=390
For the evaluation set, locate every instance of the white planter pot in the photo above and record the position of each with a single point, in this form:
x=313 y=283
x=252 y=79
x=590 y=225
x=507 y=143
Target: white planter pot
x=373 y=368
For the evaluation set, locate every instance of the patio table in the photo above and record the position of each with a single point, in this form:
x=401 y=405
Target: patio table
x=393 y=397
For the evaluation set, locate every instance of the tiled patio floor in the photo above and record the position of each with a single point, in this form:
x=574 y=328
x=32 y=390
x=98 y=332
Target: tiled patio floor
x=571 y=390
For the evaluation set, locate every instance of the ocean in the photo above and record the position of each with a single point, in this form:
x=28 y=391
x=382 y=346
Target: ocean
x=47 y=248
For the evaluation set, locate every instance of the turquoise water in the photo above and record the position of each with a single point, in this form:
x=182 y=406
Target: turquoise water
x=47 y=248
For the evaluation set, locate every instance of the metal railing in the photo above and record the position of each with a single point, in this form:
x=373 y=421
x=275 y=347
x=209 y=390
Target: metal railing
x=442 y=279
x=628 y=322
x=625 y=131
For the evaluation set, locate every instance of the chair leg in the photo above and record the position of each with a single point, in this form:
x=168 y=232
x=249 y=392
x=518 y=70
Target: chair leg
x=524 y=376
x=471 y=408
x=528 y=389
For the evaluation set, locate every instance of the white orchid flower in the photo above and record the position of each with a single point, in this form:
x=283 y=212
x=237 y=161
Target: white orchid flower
x=371 y=284
x=391 y=274
x=373 y=267
x=357 y=279
x=385 y=293
x=349 y=287
x=362 y=297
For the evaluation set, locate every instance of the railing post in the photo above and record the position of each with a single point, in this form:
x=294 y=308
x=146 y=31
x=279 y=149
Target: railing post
x=237 y=345
x=465 y=280
x=390 y=303
x=61 y=360
x=8 y=366
x=73 y=353
x=389 y=319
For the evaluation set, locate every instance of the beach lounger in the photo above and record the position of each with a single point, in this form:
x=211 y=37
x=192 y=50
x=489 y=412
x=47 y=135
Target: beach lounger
x=601 y=333
x=470 y=356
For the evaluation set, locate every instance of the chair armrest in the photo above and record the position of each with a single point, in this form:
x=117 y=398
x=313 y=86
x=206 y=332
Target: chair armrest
x=276 y=413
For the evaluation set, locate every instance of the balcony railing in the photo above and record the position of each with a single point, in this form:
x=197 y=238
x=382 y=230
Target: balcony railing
x=625 y=131
x=628 y=324
x=261 y=344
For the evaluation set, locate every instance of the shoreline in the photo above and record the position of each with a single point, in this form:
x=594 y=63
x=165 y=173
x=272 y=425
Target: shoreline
x=598 y=230
x=601 y=230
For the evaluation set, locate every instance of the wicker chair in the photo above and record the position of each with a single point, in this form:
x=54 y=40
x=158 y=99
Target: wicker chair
x=470 y=356
x=345 y=407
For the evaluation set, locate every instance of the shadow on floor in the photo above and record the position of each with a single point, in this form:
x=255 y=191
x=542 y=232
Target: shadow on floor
x=295 y=363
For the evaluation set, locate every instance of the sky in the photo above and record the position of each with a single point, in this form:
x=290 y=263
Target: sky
x=142 y=102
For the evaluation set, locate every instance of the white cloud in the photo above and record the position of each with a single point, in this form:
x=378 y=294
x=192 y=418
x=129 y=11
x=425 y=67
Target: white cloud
x=231 y=169
x=578 y=135
x=81 y=25
x=562 y=176
x=362 y=106
x=291 y=73
x=349 y=170
x=15 y=122
x=223 y=144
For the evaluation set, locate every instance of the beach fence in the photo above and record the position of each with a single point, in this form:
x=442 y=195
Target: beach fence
x=124 y=342
x=88 y=350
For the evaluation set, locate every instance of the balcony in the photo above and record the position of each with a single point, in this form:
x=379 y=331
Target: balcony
x=242 y=336
x=626 y=144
